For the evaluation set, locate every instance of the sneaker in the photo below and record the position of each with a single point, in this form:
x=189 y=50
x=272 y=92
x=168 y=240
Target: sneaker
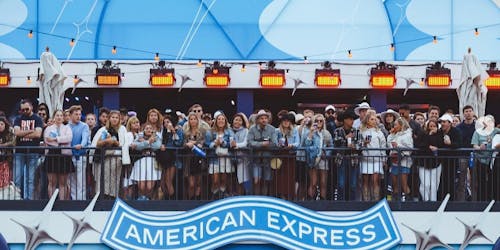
x=143 y=198
x=403 y=197
x=335 y=194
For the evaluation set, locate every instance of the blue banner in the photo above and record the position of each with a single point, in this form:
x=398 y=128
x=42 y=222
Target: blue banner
x=250 y=218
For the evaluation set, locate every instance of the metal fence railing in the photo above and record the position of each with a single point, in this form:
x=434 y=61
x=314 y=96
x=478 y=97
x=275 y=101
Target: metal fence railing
x=181 y=174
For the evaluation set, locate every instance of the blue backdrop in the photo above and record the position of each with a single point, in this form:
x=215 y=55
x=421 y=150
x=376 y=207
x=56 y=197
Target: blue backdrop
x=250 y=29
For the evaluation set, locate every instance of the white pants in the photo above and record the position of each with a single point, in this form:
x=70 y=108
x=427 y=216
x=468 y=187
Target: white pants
x=78 y=179
x=429 y=182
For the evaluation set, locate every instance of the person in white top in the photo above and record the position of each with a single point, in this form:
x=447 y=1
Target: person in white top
x=400 y=138
x=360 y=111
x=372 y=161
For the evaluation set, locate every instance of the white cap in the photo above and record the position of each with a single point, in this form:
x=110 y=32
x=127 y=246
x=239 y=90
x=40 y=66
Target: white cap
x=330 y=107
x=217 y=113
x=298 y=118
x=446 y=117
x=363 y=105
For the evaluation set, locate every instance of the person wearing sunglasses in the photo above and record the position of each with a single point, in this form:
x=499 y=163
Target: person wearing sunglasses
x=28 y=131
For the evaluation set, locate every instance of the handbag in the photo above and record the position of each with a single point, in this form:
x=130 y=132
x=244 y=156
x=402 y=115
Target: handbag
x=165 y=158
x=220 y=151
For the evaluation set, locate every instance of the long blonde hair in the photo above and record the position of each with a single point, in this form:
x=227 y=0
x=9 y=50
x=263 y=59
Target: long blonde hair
x=364 y=122
x=158 y=125
x=188 y=131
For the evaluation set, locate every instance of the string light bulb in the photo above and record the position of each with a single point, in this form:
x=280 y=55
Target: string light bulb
x=72 y=42
x=243 y=68
x=392 y=47
x=476 y=31
x=260 y=65
x=113 y=51
x=30 y=34
x=305 y=60
x=75 y=79
x=349 y=54
x=421 y=83
x=28 y=79
x=199 y=64
x=157 y=56
x=435 y=40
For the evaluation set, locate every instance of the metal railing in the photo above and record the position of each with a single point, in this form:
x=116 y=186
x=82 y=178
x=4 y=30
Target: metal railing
x=335 y=174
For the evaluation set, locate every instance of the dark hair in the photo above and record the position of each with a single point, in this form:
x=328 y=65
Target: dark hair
x=467 y=107
x=169 y=117
x=404 y=106
x=123 y=111
x=104 y=110
x=7 y=126
x=433 y=107
x=24 y=101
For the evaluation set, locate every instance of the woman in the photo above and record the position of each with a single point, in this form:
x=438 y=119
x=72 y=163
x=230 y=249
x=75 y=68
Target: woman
x=194 y=136
x=372 y=161
x=456 y=120
x=320 y=165
x=146 y=170
x=419 y=117
x=388 y=117
x=110 y=136
x=220 y=166
x=58 y=163
x=400 y=139
x=172 y=136
x=288 y=140
x=7 y=139
x=133 y=127
x=239 y=143
x=155 y=119
x=429 y=169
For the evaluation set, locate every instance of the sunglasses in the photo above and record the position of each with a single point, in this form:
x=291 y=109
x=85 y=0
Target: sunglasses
x=318 y=120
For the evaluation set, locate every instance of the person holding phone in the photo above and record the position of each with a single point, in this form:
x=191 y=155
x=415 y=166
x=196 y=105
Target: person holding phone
x=373 y=161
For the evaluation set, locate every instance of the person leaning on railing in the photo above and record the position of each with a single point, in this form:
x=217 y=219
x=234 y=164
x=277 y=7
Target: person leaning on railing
x=58 y=163
x=346 y=140
x=194 y=165
x=239 y=144
x=482 y=173
x=146 y=170
x=110 y=136
x=220 y=167
x=429 y=161
x=400 y=139
x=372 y=161
x=288 y=141
x=452 y=138
x=262 y=138
x=172 y=136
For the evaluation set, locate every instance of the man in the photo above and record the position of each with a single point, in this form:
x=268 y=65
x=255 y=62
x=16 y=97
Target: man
x=262 y=136
x=103 y=118
x=28 y=131
x=346 y=137
x=360 y=111
x=66 y=117
x=467 y=128
x=80 y=140
x=198 y=110
x=433 y=113
x=417 y=134
x=452 y=140
x=330 y=117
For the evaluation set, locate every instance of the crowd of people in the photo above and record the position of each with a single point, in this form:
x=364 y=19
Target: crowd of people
x=350 y=154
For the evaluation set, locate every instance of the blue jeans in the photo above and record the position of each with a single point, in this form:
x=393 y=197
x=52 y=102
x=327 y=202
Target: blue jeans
x=353 y=173
x=24 y=173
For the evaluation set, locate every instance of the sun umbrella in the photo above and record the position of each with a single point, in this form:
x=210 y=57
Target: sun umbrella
x=52 y=78
x=471 y=90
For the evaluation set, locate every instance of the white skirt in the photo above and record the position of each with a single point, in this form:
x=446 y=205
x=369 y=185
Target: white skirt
x=145 y=169
x=221 y=165
x=372 y=167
